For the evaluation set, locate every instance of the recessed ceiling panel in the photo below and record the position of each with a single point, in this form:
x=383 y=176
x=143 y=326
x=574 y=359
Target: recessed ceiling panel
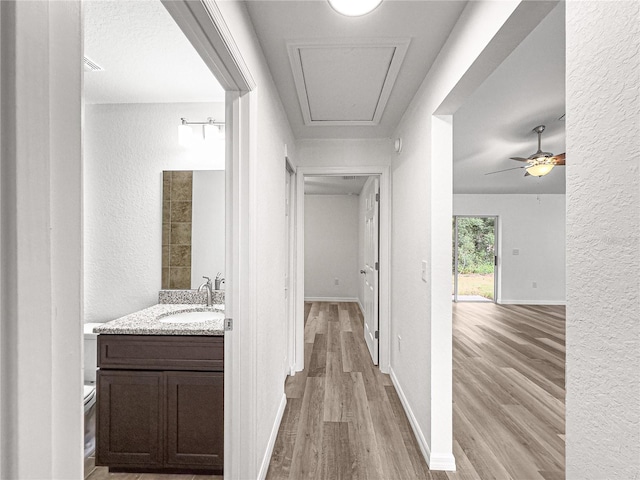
x=345 y=82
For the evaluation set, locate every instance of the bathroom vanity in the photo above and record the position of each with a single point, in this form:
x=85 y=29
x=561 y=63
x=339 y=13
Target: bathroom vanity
x=160 y=393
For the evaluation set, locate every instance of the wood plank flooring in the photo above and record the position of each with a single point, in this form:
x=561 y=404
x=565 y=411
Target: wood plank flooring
x=344 y=419
x=508 y=391
x=102 y=473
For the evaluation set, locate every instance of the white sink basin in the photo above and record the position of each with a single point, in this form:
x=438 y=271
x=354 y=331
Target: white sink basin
x=192 y=317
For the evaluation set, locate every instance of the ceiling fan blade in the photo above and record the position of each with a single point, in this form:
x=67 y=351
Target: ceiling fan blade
x=560 y=159
x=519 y=159
x=505 y=170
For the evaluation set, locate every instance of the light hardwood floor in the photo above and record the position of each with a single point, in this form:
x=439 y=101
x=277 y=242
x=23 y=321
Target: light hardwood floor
x=509 y=391
x=344 y=419
x=102 y=473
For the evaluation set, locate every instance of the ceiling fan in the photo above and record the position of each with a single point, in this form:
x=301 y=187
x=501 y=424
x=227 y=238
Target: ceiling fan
x=539 y=163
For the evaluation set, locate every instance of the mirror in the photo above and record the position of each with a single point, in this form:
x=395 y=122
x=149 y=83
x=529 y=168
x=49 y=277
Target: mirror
x=193 y=237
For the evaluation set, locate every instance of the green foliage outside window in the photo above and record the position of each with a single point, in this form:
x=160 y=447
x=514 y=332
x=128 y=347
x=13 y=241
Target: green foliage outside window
x=476 y=239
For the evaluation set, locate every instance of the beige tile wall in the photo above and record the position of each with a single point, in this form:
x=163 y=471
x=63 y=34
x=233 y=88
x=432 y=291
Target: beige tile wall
x=177 y=190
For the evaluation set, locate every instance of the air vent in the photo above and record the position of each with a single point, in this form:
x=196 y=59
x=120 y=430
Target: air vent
x=91 y=66
x=349 y=178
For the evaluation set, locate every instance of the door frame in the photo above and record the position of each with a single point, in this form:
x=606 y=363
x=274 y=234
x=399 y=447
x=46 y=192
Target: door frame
x=204 y=26
x=384 y=287
x=496 y=250
x=291 y=283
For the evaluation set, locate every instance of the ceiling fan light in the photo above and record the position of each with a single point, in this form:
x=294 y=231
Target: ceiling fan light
x=540 y=170
x=354 y=8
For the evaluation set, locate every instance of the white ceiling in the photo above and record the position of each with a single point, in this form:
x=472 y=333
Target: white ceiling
x=145 y=56
x=526 y=90
x=334 y=185
x=347 y=93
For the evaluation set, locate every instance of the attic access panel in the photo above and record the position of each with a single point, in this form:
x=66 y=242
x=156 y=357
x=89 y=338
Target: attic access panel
x=345 y=82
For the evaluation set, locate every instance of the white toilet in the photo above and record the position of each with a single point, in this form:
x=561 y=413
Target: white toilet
x=90 y=366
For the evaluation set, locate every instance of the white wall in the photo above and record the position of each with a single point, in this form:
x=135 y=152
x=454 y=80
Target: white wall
x=208 y=226
x=41 y=240
x=344 y=153
x=422 y=207
x=270 y=262
x=535 y=225
x=127 y=146
x=603 y=227
x=331 y=246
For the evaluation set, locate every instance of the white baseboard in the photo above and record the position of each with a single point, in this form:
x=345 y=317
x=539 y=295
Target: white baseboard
x=532 y=302
x=330 y=299
x=264 y=467
x=361 y=307
x=446 y=462
x=435 y=461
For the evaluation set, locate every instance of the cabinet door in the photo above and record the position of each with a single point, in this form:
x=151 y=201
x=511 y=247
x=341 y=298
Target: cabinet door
x=130 y=419
x=195 y=419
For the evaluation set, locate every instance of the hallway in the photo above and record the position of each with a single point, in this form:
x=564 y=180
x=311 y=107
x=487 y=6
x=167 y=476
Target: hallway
x=343 y=418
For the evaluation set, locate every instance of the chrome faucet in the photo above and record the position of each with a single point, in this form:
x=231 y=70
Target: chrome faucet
x=218 y=281
x=206 y=285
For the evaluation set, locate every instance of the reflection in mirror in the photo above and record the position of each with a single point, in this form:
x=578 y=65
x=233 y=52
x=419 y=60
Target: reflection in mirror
x=193 y=237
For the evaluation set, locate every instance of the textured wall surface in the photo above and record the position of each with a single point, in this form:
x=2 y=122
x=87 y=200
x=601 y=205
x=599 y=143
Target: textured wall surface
x=603 y=255
x=127 y=146
x=331 y=246
x=273 y=134
x=539 y=236
x=344 y=153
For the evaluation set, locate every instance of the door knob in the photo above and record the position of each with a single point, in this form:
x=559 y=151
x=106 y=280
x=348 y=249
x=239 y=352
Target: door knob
x=364 y=272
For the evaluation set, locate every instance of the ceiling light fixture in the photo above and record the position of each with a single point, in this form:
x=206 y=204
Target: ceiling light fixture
x=540 y=169
x=354 y=8
x=211 y=130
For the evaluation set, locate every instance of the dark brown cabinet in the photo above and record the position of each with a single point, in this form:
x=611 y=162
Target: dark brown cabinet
x=160 y=403
x=195 y=421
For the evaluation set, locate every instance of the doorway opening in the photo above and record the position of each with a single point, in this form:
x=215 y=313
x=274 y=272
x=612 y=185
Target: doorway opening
x=188 y=129
x=341 y=246
x=475 y=258
x=342 y=250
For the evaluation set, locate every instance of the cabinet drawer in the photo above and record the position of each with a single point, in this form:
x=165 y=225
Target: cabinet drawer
x=161 y=352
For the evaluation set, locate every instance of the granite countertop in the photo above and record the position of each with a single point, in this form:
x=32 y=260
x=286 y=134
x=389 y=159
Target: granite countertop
x=146 y=322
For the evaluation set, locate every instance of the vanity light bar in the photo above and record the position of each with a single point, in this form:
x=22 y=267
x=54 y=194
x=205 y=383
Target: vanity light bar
x=210 y=121
x=211 y=130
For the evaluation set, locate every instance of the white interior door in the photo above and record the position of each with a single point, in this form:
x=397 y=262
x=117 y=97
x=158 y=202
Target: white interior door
x=370 y=269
